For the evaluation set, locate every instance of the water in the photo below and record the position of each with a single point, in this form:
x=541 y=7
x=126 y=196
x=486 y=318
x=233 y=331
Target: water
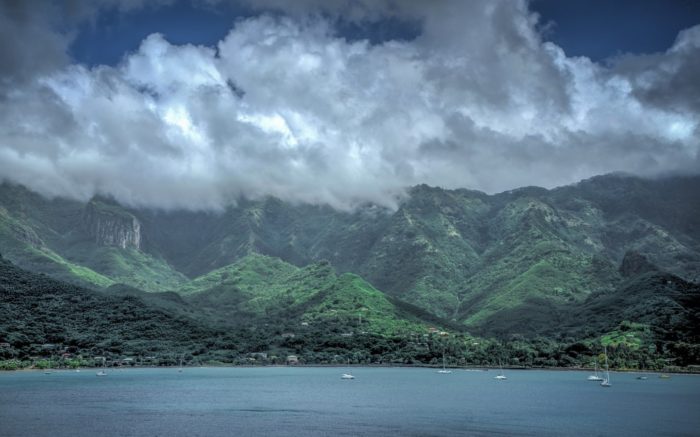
x=316 y=402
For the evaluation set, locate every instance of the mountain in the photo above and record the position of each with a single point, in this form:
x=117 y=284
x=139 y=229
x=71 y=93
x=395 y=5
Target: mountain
x=459 y=254
x=40 y=316
x=98 y=243
x=43 y=318
x=649 y=296
x=259 y=287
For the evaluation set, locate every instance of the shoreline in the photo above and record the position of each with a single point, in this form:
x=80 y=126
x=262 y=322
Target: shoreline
x=359 y=366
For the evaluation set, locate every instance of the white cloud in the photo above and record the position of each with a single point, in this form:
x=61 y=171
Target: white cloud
x=284 y=107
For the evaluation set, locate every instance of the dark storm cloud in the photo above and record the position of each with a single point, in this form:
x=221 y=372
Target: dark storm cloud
x=28 y=44
x=285 y=106
x=667 y=80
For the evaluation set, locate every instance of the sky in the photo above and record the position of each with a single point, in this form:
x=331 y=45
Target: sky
x=172 y=104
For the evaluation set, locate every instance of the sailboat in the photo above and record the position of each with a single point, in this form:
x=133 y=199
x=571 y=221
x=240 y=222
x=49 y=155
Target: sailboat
x=444 y=369
x=606 y=381
x=500 y=375
x=102 y=372
x=347 y=375
x=180 y=369
x=595 y=376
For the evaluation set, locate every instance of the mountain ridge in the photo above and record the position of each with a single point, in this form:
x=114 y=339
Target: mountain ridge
x=460 y=254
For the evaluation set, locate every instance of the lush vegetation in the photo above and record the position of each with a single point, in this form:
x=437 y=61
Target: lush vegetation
x=329 y=320
x=528 y=277
x=258 y=286
x=44 y=318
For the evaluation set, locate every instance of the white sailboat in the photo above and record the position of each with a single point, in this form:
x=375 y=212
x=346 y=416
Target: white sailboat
x=444 y=369
x=102 y=372
x=180 y=369
x=347 y=375
x=606 y=381
x=500 y=376
x=595 y=376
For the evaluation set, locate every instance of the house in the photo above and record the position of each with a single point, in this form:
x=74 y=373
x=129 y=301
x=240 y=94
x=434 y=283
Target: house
x=288 y=335
x=4 y=344
x=292 y=360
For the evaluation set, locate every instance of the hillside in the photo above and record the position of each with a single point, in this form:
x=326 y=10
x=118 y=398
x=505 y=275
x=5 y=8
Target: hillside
x=458 y=254
x=650 y=322
x=42 y=317
x=96 y=244
x=48 y=322
x=258 y=287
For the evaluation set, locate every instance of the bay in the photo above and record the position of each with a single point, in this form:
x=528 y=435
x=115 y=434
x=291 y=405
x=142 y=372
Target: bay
x=309 y=401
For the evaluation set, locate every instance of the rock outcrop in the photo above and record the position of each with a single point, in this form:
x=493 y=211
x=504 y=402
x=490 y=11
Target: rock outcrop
x=110 y=225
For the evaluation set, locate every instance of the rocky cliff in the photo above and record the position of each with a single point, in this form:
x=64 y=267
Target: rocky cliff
x=111 y=225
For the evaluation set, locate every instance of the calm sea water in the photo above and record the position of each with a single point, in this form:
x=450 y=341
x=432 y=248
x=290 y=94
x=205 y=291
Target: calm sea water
x=316 y=402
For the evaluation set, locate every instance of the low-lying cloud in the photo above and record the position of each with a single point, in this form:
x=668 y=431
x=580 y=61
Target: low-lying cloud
x=284 y=106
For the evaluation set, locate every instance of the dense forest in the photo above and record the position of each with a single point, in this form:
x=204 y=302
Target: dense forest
x=528 y=277
x=49 y=323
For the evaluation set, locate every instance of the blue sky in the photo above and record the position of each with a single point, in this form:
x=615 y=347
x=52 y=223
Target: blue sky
x=195 y=104
x=603 y=28
x=597 y=29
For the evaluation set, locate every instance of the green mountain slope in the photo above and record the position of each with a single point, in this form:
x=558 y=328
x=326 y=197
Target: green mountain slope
x=258 y=287
x=459 y=254
x=128 y=266
x=431 y=245
x=650 y=317
x=21 y=244
x=87 y=244
x=43 y=317
x=265 y=309
x=299 y=234
x=535 y=253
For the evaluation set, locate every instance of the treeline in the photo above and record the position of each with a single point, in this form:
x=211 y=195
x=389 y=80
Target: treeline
x=335 y=345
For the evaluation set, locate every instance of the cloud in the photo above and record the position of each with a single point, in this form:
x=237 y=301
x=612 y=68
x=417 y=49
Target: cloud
x=27 y=43
x=667 y=80
x=284 y=106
